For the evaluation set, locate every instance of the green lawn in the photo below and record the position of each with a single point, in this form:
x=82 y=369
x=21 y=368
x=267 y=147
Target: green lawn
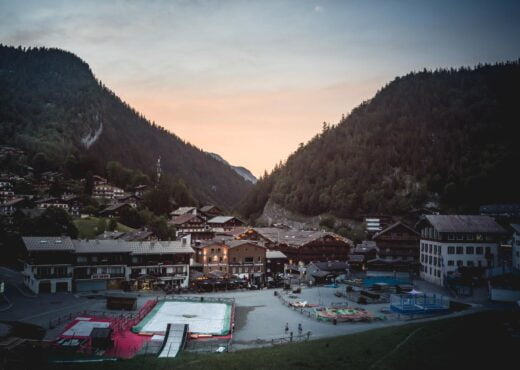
x=477 y=341
x=88 y=227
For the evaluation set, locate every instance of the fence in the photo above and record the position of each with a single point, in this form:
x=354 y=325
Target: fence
x=122 y=321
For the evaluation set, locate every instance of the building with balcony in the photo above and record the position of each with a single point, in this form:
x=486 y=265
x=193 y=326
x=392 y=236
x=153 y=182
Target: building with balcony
x=397 y=247
x=54 y=264
x=48 y=265
x=451 y=242
x=516 y=246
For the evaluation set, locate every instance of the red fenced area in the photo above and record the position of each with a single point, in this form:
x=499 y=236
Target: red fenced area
x=125 y=343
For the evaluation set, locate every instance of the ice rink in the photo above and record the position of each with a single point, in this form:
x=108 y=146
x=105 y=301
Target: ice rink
x=202 y=318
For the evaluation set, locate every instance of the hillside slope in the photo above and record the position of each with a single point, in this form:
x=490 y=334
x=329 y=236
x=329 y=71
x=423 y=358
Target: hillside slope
x=51 y=103
x=449 y=137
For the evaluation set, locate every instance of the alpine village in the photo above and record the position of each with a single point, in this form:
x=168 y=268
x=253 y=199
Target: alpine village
x=390 y=239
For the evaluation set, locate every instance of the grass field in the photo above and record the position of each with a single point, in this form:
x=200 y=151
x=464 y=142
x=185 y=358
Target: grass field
x=87 y=227
x=477 y=341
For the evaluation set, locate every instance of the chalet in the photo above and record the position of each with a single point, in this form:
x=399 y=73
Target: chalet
x=184 y=211
x=107 y=191
x=100 y=264
x=300 y=245
x=98 y=180
x=224 y=223
x=48 y=264
x=52 y=202
x=398 y=242
x=55 y=264
x=139 y=190
x=132 y=199
x=74 y=205
x=364 y=252
x=451 y=242
x=211 y=211
x=190 y=224
x=212 y=255
x=9 y=207
x=321 y=272
x=274 y=263
x=246 y=259
x=115 y=210
x=164 y=263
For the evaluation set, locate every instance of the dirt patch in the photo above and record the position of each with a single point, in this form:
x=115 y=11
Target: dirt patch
x=241 y=313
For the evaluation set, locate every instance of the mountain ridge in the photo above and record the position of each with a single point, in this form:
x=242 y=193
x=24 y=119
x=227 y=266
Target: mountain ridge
x=51 y=103
x=444 y=136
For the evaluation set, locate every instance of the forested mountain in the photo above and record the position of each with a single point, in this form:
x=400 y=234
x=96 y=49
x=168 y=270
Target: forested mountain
x=52 y=106
x=242 y=171
x=447 y=136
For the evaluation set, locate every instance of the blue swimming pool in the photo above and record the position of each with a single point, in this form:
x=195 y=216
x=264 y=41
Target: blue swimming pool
x=371 y=280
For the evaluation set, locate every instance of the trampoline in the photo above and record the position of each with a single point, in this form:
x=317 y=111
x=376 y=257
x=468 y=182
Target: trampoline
x=419 y=304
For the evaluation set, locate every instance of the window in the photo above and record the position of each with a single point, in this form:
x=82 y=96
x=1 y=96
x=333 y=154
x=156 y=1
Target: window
x=234 y=259
x=435 y=249
x=460 y=250
x=451 y=237
x=451 y=250
x=435 y=261
x=459 y=263
x=470 y=237
x=430 y=260
x=470 y=250
x=460 y=237
x=81 y=259
x=470 y=263
x=430 y=248
x=439 y=248
x=249 y=259
x=451 y=262
x=212 y=250
x=479 y=237
x=218 y=250
x=479 y=250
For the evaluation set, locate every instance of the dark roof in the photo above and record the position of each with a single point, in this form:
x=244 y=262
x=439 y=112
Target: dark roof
x=121 y=246
x=223 y=219
x=179 y=220
x=393 y=226
x=137 y=235
x=12 y=202
x=331 y=265
x=237 y=243
x=115 y=207
x=208 y=208
x=296 y=238
x=275 y=254
x=47 y=243
x=464 y=224
x=182 y=210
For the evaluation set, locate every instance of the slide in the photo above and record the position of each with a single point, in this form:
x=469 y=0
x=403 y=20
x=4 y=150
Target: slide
x=174 y=340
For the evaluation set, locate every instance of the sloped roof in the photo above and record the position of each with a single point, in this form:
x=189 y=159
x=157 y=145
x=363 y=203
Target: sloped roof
x=208 y=208
x=47 y=243
x=393 y=226
x=222 y=219
x=182 y=210
x=160 y=247
x=274 y=254
x=134 y=248
x=101 y=246
x=464 y=224
x=115 y=207
x=516 y=227
x=237 y=243
x=331 y=265
x=179 y=220
x=296 y=238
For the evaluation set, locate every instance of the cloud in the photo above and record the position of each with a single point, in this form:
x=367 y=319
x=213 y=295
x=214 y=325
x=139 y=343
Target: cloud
x=318 y=9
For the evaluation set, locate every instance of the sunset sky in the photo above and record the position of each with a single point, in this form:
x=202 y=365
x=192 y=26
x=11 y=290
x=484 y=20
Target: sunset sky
x=250 y=80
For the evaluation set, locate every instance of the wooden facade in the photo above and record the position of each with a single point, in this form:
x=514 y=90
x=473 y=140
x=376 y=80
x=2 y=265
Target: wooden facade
x=398 y=242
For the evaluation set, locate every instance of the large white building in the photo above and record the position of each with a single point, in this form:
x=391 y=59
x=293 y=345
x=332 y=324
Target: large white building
x=516 y=246
x=452 y=241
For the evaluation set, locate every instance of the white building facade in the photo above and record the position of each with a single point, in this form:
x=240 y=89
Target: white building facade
x=516 y=246
x=449 y=242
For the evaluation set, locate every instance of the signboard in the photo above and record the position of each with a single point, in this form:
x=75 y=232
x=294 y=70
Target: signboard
x=100 y=276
